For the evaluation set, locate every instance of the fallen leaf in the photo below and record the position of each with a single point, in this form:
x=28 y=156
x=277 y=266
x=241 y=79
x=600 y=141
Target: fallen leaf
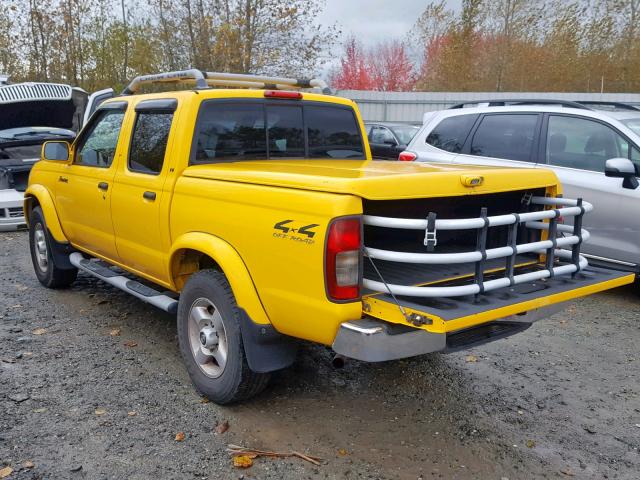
x=470 y=359
x=204 y=400
x=342 y=452
x=5 y=472
x=242 y=461
x=115 y=332
x=180 y=436
x=39 y=331
x=22 y=288
x=28 y=464
x=568 y=472
x=131 y=344
x=40 y=410
x=100 y=411
x=132 y=414
x=222 y=427
x=531 y=443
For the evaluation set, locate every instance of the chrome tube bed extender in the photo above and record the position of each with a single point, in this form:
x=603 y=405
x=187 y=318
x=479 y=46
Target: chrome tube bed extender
x=552 y=247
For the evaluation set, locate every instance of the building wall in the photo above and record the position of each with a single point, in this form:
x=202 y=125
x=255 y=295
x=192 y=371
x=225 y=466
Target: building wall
x=408 y=107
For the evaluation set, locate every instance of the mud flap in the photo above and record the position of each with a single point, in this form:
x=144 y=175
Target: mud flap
x=267 y=350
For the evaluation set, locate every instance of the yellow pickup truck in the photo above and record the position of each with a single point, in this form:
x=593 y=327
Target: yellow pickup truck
x=256 y=214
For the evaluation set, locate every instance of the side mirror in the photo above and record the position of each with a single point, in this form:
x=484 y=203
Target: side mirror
x=622 y=168
x=58 y=151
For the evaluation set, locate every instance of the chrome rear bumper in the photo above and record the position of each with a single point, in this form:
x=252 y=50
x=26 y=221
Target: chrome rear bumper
x=371 y=340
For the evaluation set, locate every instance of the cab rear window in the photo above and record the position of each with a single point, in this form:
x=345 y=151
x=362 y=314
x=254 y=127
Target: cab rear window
x=258 y=130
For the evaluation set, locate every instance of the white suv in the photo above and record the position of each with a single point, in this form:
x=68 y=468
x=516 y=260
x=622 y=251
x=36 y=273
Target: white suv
x=575 y=140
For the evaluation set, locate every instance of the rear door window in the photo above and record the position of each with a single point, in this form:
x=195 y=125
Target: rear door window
x=510 y=137
x=451 y=133
x=149 y=142
x=255 y=130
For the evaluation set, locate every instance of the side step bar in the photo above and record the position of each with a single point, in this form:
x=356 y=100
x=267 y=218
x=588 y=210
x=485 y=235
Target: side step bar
x=137 y=289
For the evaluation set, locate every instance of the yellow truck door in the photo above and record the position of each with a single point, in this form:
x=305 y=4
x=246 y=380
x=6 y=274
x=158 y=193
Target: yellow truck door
x=83 y=192
x=139 y=203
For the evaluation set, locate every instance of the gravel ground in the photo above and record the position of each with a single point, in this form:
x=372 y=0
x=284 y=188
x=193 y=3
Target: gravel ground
x=92 y=386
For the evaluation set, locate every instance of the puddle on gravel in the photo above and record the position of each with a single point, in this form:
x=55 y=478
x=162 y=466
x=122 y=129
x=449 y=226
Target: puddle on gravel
x=392 y=437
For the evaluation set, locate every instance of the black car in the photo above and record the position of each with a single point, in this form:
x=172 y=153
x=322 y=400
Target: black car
x=388 y=139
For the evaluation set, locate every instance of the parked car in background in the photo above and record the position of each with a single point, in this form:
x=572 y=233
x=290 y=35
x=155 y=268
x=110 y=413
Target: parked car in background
x=595 y=153
x=387 y=139
x=31 y=114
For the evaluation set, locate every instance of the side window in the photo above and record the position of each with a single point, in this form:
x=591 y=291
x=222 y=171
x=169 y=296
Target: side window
x=451 y=133
x=505 y=136
x=149 y=141
x=98 y=147
x=230 y=132
x=285 y=131
x=580 y=143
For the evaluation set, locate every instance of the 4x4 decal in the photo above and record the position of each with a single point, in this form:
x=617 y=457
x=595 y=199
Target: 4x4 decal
x=288 y=229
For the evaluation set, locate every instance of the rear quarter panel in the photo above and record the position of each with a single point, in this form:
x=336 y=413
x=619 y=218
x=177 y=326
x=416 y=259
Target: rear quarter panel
x=287 y=268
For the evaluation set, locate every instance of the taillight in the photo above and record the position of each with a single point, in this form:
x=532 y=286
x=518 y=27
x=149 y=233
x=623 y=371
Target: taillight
x=407 y=156
x=283 y=94
x=342 y=259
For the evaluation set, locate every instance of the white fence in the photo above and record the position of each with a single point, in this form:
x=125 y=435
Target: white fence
x=408 y=107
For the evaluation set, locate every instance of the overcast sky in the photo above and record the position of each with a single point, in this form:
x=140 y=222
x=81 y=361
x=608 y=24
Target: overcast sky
x=374 y=20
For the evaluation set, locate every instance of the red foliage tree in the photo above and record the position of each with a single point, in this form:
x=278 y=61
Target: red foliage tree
x=353 y=72
x=390 y=66
x=385 y=67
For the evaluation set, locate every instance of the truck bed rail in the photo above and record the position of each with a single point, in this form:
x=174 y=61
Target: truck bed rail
x=570 y=260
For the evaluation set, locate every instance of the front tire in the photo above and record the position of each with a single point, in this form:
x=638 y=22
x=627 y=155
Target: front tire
x=41 y=244
x=211 y=341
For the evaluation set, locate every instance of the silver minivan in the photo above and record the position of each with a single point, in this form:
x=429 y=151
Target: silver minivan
x=595 y=153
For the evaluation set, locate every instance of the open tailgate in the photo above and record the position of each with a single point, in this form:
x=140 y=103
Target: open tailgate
x=449 y=292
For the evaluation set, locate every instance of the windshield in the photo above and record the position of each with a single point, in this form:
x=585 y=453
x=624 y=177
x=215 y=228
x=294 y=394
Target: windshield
x=633 y=124
x=405 y=134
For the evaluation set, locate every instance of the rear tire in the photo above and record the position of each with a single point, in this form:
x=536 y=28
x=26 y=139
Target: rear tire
x=211 y=341
x=40 y=245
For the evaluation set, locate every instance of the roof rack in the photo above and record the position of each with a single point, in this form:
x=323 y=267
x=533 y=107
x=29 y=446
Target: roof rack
x=609 y=106
x=209 y=79
x=524 y=101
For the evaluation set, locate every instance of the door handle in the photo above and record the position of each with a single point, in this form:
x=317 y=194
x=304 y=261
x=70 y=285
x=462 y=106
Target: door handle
x=149 y=196
x=103 y=186
x=63 y=179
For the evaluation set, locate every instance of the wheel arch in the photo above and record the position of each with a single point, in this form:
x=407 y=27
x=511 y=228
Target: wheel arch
x=38 y=195
x=195 y=251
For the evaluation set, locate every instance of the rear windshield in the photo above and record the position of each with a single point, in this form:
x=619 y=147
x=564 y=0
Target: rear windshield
x=258 y=130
